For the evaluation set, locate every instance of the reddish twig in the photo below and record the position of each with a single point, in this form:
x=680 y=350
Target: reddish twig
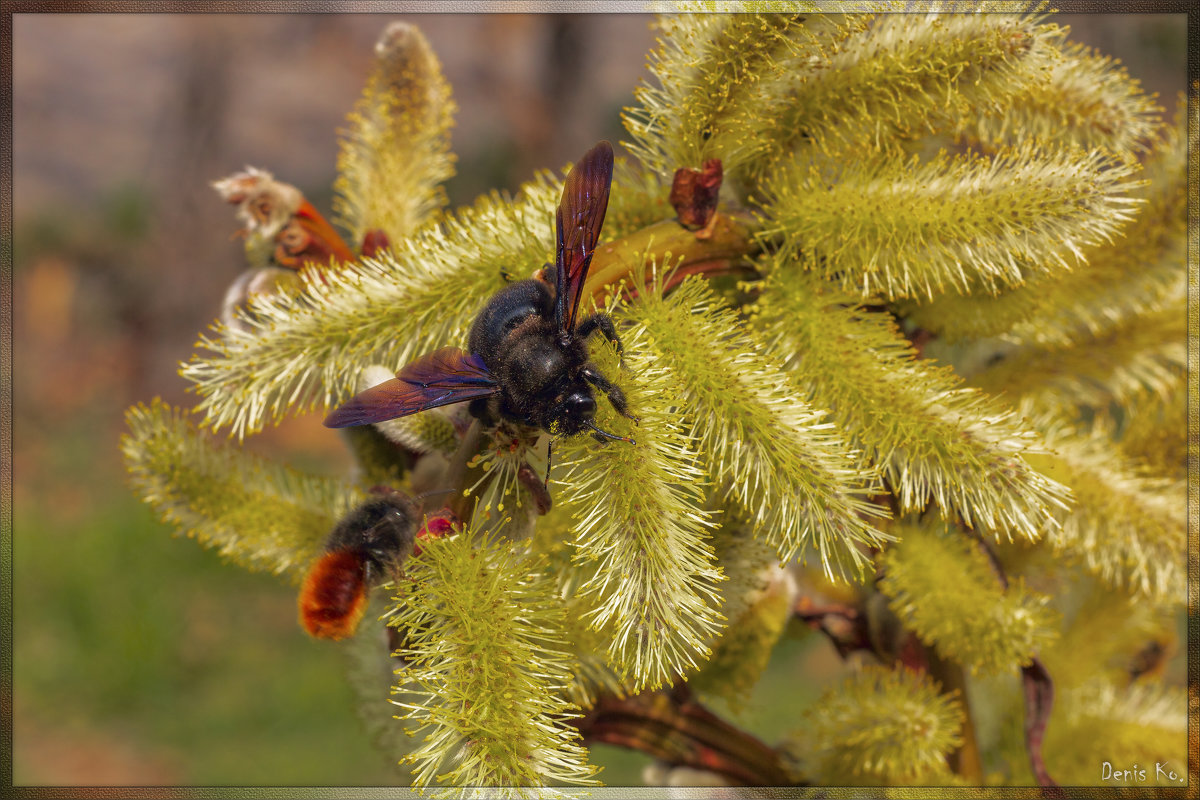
x=1039 y=696
x=845 y=627
x=1039 y=700
x=674 y=728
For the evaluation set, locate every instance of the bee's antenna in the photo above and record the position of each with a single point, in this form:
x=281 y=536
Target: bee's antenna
x=608 y=435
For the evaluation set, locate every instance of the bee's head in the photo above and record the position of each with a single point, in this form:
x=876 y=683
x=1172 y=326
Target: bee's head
x=579 y=406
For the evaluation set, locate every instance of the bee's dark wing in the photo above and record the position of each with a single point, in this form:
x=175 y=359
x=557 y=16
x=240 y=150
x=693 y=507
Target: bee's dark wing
x=443 y=377
x=580 y=215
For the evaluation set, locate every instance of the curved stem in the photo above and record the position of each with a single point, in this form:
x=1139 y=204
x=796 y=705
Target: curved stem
x=1038 y=689
x=674 y=728
x=727 y=240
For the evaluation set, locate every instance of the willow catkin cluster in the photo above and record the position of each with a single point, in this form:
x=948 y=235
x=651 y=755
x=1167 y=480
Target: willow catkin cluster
x=960 y=325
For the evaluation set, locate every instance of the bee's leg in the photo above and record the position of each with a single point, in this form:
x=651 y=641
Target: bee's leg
x=600 y=322
x=615 y=395
x=537 y=489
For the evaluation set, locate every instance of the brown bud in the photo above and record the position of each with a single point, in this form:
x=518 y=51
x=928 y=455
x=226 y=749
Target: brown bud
x=374 y=241
x=694 y=194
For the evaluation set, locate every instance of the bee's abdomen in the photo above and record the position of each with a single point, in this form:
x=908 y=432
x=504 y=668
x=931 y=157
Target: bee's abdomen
x=334 y=595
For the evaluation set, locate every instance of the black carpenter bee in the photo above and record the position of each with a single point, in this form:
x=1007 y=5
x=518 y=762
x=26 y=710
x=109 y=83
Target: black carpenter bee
x=528 y=360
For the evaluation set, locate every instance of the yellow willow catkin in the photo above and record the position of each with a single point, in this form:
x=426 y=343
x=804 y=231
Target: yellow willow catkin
x=259 y=515
x=396 y=152
x=482 y=624
x=897 y=229
x=783 y=460
x=642 y=533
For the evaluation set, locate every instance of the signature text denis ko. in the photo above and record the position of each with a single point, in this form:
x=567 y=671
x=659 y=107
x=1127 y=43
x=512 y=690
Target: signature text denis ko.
x=1160 y=773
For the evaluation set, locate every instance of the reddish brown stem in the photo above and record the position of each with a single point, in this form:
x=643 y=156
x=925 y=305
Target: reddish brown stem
x=729 y=238
x=1039 y=696
x=844 y=626
x=675 y=729
x=710 y=269
x=1039 y=700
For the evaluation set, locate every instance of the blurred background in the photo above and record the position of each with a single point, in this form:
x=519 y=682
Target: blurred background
x=139 y=658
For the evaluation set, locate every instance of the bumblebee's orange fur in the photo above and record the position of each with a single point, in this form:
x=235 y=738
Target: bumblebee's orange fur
x=334 y=595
